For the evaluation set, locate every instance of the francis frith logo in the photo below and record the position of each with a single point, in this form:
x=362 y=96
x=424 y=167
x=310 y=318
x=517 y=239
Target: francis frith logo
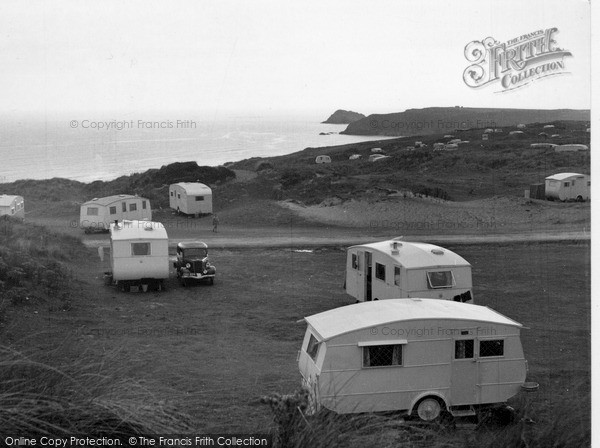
x=516 y=62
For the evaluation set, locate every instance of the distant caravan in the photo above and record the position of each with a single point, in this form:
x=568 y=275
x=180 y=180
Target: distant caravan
x=397 y=269
x=11 y=205
x=97 y=214
x=191 y=198
x=568 y=186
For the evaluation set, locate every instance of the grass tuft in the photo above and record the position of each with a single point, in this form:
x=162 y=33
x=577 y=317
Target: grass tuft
x=84 y=398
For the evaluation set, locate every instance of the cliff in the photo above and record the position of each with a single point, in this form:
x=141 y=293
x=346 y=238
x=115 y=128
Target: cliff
x=436 y=120
x=343 y=117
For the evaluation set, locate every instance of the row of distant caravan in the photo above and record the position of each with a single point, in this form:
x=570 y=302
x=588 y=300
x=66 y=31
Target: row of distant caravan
x=190 y=198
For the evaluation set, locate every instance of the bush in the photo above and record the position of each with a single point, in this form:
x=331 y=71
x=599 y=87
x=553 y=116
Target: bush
x=292 y=177
x=434 y=192
x=264 y=165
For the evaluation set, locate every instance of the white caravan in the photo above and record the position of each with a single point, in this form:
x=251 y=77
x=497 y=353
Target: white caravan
x=398 y=269
x=568 y=186
x=11 y=205
x=190 y=198
x=99 y=213
x=420 y=356
x=139 y=255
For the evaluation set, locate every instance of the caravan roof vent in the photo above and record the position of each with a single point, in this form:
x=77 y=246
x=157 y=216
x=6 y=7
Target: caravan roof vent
x=437 y=251
x=95 y=199
x=122 y=195
x=148 y=226
x=395 y=245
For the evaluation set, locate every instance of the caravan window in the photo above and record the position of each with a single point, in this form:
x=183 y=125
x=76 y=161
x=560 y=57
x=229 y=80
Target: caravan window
x=132 y=207
x=463 y=349
x=92 y=211
x=172 y=194
x=123 y=206
x=313 y=347
x=440 y=279
x=140 y=249
x=382 y=355
x=112 y=210
x=354 y=261
x=199 y=198
x=491 y=348
x=178 y=196
x=380 y=271
x=566 y=184
x=144 y=205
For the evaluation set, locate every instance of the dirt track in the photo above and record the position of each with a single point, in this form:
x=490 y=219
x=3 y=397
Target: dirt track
x=235 y=238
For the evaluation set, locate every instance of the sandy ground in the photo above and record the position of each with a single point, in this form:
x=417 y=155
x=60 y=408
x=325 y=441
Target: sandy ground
x=493 y=220
x=497 y=214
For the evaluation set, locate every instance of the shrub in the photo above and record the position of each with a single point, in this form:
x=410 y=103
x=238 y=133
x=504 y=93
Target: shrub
x=292 y=177
x=264 y=165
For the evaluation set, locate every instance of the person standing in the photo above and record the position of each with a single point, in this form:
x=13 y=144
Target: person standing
x=215 y=223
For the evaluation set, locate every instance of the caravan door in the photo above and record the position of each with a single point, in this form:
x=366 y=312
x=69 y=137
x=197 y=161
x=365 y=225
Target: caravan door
x=360 y=277
x=368 y=276
x=464 y=385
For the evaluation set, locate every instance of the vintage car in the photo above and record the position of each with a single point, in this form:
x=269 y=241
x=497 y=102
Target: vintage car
x=192 y=263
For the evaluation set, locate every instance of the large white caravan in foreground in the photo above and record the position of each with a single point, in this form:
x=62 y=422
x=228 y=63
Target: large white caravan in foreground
x=421 y=356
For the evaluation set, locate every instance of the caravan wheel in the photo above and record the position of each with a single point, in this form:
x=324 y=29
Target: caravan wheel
x=579 y=198
x=429 y=409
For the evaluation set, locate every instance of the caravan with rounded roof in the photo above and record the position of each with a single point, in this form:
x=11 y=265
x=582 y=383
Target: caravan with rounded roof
x=190 y=198
x=11 y=205
x=98 y=213
x=397 y=269
x=568 y=186
x=139 y=255
x=420 y=356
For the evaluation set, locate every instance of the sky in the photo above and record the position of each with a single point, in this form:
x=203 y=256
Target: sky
x=240 y=57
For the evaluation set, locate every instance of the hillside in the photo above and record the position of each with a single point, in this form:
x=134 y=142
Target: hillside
x=478 y=169
x=44 y=196
x=421 y=184
x=343 y=117
x=434 y=120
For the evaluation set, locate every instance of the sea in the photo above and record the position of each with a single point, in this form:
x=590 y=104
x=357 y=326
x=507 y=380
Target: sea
x=86 y=148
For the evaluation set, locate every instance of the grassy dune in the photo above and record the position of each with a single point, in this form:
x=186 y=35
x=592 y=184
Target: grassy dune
x=112 y=362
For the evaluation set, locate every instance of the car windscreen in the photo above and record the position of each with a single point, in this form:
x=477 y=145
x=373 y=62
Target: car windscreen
x=195 y=252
